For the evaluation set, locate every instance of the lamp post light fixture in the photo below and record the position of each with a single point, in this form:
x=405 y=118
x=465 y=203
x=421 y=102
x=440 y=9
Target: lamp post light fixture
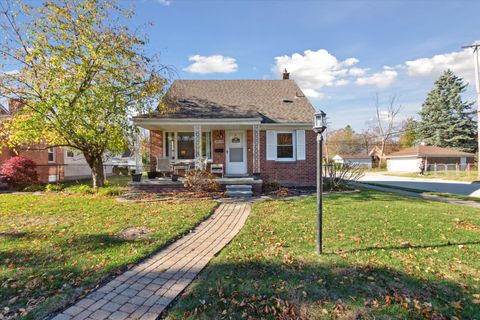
x=319 y=126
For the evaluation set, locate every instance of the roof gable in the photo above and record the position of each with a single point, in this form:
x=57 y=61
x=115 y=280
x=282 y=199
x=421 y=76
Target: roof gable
x=275 y=101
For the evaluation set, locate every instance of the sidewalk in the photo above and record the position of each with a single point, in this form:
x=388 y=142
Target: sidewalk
x=148 y=288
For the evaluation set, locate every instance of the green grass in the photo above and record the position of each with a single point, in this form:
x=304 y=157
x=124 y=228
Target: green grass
x=54 y=245
x=385 y=256
x=450 y=175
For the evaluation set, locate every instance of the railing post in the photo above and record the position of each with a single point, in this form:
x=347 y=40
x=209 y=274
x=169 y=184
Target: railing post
x=197 y=145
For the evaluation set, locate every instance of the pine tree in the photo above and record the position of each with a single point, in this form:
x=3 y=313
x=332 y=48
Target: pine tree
x=446 y=120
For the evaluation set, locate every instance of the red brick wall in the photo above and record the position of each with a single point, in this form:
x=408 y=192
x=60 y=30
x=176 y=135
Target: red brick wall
x=218 y=137
x=156 y=146
x=5 y=154
x=250 y=152
x=300 y=173
x=449 y=160
x=45 y=168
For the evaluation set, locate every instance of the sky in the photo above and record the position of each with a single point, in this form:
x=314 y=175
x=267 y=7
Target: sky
x=341 y=53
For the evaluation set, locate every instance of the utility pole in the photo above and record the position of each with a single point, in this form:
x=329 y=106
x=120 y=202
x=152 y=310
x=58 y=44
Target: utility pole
x=475 y=48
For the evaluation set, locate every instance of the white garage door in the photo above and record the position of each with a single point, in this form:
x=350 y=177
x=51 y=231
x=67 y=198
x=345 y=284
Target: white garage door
x=403 y=165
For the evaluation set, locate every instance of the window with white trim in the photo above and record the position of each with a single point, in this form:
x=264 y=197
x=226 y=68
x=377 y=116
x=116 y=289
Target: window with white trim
x=51 y=154
x=285 y=146
x=288 y=145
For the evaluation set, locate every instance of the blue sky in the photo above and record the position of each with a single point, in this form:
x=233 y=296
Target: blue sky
x=241 y=40
x=341 y=53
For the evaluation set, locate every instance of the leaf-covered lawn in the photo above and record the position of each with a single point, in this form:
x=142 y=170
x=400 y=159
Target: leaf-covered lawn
x=54 y=245
x=386 y=256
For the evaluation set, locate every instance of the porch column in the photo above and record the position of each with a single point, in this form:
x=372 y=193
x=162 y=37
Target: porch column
x=256 y=149
x=197 y=145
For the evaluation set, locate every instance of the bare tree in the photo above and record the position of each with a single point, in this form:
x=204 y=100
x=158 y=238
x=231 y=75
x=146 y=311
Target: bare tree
x=386 y=126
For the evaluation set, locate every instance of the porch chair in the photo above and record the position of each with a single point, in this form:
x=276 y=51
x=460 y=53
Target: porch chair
x=216 y=168
x=163 y=166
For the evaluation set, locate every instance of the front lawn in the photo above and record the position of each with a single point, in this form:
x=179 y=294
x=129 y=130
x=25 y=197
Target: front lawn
x=386 y=256
x=54 y=245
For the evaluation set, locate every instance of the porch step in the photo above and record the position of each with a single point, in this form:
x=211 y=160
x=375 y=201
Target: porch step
x=239 y=187
x=239 y=190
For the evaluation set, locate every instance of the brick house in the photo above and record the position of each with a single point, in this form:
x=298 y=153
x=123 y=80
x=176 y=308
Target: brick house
x=249 y=126
x=53 y=164
x=408 y=160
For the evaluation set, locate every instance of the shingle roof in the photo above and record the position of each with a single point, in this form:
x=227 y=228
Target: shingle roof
x=272 y=100
x=429 y=151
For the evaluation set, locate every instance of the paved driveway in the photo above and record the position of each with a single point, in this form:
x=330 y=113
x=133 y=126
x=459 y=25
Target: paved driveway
x=456 y=187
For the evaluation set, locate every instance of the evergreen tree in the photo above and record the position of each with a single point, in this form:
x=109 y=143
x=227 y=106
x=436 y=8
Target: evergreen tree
x=446 y=120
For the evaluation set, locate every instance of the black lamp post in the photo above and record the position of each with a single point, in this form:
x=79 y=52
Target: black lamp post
x=319 y=125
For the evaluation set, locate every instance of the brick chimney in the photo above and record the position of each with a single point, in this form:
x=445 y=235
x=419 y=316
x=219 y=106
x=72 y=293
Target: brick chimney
x=286 y=75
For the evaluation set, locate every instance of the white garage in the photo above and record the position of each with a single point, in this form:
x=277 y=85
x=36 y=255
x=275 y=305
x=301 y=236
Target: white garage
x=408 y=160
x=406 y=164
x=362 y=160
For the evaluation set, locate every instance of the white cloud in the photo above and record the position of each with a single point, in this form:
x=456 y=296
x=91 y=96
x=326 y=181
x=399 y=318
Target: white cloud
x=165 y=2
x=380 y=79
x=342 y=82
x=460 y=62
x=211 y=64
x=357 y=72
x=12 y=72
x=314 y=70
x=312 y=93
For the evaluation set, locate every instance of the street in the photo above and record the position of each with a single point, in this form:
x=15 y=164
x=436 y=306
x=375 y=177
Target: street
x=471 y=189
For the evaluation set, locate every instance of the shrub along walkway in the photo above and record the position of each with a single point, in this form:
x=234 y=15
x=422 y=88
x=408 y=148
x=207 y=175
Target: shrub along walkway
x=146 y=290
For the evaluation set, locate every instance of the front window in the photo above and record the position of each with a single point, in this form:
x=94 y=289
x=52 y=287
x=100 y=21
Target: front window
x=51 y=155
x=181 y=145
x=285 y=145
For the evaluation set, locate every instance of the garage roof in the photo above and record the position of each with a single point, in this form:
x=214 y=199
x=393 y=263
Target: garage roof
x=429 y=151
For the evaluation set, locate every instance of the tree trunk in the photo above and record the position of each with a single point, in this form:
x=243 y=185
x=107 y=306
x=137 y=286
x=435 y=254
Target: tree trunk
x=96 y=165
x=382 y=153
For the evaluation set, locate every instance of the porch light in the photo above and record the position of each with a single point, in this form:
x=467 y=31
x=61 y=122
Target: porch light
x=319 y=122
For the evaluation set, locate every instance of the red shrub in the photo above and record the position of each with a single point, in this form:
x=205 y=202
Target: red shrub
x=19 y=171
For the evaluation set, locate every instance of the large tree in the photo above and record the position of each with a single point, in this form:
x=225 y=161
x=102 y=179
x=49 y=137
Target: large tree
x=386 y=126
x=447 y=120
x=80 y=74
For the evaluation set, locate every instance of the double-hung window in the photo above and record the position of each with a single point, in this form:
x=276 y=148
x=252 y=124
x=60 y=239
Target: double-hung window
x=288 y=145
x=51 y=155
x=285 y=147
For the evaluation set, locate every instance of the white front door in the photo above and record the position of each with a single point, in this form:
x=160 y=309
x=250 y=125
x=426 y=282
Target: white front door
x=236 y=152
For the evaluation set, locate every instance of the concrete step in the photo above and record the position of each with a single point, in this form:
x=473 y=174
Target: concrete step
x=239 y=194
x=239 y=187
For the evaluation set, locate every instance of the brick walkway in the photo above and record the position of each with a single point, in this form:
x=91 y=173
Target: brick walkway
x=145 y=291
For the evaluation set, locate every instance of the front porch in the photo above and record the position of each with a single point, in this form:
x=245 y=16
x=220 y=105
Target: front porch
x=165 y=184
x=233 y=144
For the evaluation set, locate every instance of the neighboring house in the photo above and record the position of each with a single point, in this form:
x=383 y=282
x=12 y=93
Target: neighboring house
x=250 y=126
x=53 y=164
x=408 y=160
x=363 y=160
x=377 y=155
